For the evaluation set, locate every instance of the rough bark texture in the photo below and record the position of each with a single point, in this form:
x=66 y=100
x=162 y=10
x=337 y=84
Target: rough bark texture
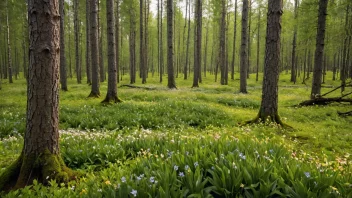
x=234 y=44
x=319 y=50
x=111 y=95
x=269 y=106
x=258 y=45
x=294 y=46
x=222 y=43
x=40 y=158
x=244 y=48
x=77 y=58
x=141 y=43
x=171 y=84
x=88 y=61
x=132 y=41
x=94 y=48
x=9 y=59
x=117 y=43
x=63 y=76
x=198 y=44
x=188 y=40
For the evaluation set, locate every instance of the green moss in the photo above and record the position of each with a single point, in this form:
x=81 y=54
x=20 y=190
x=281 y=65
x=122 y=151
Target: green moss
x=9 y=176
x=42 y=168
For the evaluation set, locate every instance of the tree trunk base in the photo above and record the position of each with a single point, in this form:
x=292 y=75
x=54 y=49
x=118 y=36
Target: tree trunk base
x=111 y=98
x=43 y=168
x=94 y=95
x=268 y=120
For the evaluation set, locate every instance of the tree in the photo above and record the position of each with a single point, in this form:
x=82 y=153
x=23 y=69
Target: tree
x=269 y=105
x=40 y=158
x=198 y=44
x=88 y=60
x=294 y=46
x=185 y=68
x=63 y=77
x=319 y=50
x=76 y=27
x=234 y=44
x=171 y=84
x=258 y=42
x=142 y=49
x=244 y=48
x=111 y=94
x=9 y=59
x=222 y=43
x=95 y=92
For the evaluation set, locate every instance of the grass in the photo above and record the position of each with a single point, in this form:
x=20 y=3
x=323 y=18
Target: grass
x=188 y=119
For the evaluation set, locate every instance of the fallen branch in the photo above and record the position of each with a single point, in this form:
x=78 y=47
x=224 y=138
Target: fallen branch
x=324 y=101
x=349 y=113
x=138 y=87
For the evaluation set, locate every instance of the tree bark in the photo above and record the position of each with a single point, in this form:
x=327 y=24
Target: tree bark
x=95 y=92
x=319 y=51
x=222 y=43
x=63 y=77
x=249 y=37
x=234 y=44
x=188 y=40
x=294 y=45
x=117 y=43
x=141 y=43
x=9 y=59
x=100 y=48
x=244 y=48
x=161 y=43
x=170 y=64
x=258 y=46
x=111 y=95
x=198 y=44
x=269 y=104
x=77 y=59
x=40 y=158
x=88 y=45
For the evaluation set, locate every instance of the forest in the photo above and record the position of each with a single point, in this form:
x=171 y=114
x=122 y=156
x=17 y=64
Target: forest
x=176 y=98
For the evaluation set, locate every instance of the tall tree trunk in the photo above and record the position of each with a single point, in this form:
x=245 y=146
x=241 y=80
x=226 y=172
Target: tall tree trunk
x=319 y=50
x=132 y=47
x=258 y=46
x=269 y=104
x=234 y=44
x=161 y=43
x=117 y=43
x=63 y=77
x=111 y=95
x=95 y=92
x=198 y=43
x=206 y=49
x=294 y=45
x=170 y=64
x=40 y=158
x=76 y=27
x=88 y=45
x=244 y=48
x=142 y=57
x=100 y=40
x=183 y=43
x=305 y=66
x=188 y=41
x=146 y=39
x=249 y=37
x=9 y=59
x=222 y=46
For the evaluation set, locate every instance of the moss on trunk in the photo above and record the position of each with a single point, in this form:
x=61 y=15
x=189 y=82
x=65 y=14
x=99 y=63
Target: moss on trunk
x=42 y=167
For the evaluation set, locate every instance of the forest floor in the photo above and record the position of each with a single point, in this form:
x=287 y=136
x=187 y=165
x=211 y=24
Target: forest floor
x=156 y=121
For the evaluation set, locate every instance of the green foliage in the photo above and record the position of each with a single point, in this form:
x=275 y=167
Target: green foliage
x=191 y=163
x=188 y=141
